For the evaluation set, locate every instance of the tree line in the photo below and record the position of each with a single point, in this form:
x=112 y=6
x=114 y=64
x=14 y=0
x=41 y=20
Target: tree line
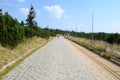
x=112 y=38
x=13 y=32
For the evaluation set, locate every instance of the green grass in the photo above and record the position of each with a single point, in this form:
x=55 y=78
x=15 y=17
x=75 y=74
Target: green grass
x=101 y=49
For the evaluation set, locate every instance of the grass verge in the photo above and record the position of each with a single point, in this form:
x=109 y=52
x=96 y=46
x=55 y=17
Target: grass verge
x=98 y=49
x=44 y=41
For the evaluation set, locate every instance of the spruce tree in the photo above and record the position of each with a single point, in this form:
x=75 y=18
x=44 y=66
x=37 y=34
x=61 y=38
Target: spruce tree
x=0 y=11
x=1 y=26
x=31 y=16
x=22 y=23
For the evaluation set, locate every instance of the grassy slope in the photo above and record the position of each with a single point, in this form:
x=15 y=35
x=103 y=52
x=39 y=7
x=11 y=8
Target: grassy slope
x=27 y=46
x=98 y=45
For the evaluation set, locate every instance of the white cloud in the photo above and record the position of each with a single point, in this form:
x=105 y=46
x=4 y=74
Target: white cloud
x=66 y=16
x=21 y=0
x=55 y=10
x=24 y=11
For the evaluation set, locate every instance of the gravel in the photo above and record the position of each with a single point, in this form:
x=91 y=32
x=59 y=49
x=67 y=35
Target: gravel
x=58 y=60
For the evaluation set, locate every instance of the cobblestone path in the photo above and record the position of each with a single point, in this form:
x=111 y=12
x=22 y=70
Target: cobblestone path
x=58 y=60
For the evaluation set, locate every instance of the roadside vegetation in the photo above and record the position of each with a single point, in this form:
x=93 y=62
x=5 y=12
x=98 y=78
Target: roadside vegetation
x=100 y=47
x=19 y=40
x=7 y=55
x=12 y=32
x=112 y=38
x=19 y=53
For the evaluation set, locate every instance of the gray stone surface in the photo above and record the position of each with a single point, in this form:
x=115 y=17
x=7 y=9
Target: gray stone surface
x=57 y=60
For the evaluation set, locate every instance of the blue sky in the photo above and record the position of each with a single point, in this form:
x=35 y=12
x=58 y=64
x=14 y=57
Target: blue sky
x=69 y=14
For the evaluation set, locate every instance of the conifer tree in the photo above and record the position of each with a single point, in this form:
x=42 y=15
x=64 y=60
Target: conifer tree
x=22 y=23
x=31 y=16
x=11 y=33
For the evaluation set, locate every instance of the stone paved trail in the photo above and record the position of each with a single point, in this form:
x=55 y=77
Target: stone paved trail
x=58 y=60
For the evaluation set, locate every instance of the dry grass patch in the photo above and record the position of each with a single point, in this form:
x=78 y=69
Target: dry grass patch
x=21 y=52
x=7 y=55
x=103 y=47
